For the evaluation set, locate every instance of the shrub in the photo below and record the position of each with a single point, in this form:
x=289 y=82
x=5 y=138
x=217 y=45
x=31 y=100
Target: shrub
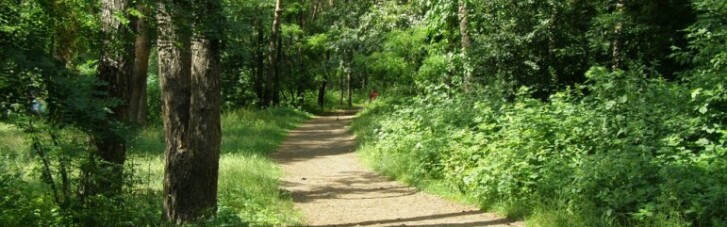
x=619 y=150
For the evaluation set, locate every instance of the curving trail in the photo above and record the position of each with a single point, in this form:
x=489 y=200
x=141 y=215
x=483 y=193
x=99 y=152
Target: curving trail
x=332 y=188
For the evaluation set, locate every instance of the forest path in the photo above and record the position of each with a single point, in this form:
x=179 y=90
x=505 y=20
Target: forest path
x=330 y=186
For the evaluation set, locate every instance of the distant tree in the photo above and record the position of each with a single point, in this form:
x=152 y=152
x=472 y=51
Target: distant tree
x=137 y=107
x=273 y=55
x=466 y=42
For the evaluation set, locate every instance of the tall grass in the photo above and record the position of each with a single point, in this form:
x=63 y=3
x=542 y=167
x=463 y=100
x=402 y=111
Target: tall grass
x=248 y=183
x=12 y=143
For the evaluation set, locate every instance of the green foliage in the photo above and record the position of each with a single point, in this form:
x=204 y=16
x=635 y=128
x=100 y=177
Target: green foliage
x=629 y=152
x=248 y=184
x=42 y=183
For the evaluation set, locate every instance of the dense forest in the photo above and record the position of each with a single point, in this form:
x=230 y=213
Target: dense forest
x=562 y=113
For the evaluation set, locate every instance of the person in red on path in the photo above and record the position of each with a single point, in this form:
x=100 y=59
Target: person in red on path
x=373 y=95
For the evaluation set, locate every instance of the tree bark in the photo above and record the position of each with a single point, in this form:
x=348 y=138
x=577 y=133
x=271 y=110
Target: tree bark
x=350 y=101
x=272 y=56
x=277 y=91
x=191 y=109
x=260 y=63
x=64 y=35
x=322 y=89
x=137 y=107
x=340 y=86
x=466 y=43
x=115 y=70
x=322 y=93
x=175 y=81
x=205 y=128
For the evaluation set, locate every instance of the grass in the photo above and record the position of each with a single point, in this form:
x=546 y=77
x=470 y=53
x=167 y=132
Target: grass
x=248 y=182
x=12 y=142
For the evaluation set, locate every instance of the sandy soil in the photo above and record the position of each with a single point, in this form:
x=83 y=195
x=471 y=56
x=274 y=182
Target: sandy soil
x=332 y=188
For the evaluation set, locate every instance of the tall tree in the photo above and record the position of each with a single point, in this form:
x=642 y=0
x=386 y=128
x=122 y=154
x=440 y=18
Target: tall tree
x=466 y=42
x=260 y=62
x=137 y=106
x=114 y=70
x=349 y=87
x=190 y=81
x=205 y=129
x=273 y=56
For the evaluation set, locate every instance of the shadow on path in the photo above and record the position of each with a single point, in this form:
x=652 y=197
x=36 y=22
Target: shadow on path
x=401 y=221
x=331 y=188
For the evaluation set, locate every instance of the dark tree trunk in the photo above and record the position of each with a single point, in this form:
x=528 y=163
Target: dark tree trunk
x=300 y=95
x=175 y=81
x=340 y=86
x=137 y=108
x=270 y=91
x=276 y=86
x=349 y=88
x=260 y=63
x=200 y=188
x=64 y=34
x=191 y=107
x=322 y=93
x=324 y=84
x=115 y=70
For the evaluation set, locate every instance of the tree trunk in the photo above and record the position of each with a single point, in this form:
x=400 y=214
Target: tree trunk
x=617 y=54
x=191 y=107
x=340 y=86
x=322 y=93
x=466 y=42
x=272 y=56
x=64 y=35
x=115 y=70
x=349 y=87
x=175 y=81
x=300 y=95
x=199 y=192
x=276 y=86
x=552 y=47
x=322 y=89
x=137 y=108
x=260 y=63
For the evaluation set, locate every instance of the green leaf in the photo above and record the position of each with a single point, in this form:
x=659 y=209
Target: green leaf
x=623 y=99
x=704 y=109
x=703 y=142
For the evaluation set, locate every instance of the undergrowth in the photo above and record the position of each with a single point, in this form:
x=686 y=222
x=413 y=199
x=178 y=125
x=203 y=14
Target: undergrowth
x=332 y=101
x=632 y=152
x=248 y=184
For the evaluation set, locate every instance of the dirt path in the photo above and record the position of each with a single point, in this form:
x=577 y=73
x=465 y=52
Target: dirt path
x=332 y=188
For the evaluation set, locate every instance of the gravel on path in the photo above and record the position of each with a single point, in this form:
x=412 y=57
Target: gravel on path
x=331 y=187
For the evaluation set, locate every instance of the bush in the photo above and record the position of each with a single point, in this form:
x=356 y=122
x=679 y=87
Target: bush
x=629 y=152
